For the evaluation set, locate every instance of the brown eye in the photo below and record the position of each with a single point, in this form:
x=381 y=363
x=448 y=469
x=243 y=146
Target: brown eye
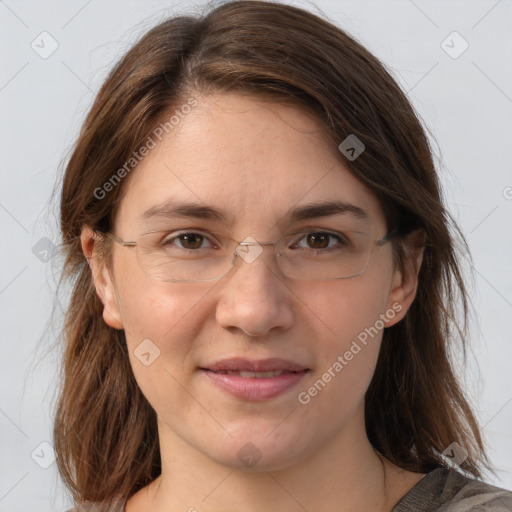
x=191 y=240
x=321 y=241
x=318 y=240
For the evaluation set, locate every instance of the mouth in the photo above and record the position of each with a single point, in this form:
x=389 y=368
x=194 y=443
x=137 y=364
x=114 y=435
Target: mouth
x=262 y=366
x=251 y=375
x=255 y=380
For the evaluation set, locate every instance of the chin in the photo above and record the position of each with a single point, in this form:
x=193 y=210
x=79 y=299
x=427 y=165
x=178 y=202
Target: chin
x=258 y=448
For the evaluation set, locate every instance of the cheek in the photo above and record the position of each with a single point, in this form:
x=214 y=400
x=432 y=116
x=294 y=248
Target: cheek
x=161 y=311
x=345 y=320
x=341 y=310
x=162 y=319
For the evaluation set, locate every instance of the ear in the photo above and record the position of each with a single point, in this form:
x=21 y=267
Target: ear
x=404 y=287
x=103 y=282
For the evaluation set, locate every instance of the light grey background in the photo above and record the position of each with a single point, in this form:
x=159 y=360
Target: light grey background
x=465 y=101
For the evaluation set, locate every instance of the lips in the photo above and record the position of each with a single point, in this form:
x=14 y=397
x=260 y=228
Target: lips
x=253 y=375
x=255 y=380
x=240 y=366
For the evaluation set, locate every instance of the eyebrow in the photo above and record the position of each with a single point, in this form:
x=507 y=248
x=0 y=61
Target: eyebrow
x=172 y=209
x=325 y=209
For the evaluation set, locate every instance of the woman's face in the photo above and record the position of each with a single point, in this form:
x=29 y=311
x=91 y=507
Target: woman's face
x=255 y=162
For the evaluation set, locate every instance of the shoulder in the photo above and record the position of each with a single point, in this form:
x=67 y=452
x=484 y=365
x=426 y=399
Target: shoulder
x=470 y=494
x=447 y=490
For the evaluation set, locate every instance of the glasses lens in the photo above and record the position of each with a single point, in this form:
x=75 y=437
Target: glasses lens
x=312 y=255
x=179 y=256
x=324 y=255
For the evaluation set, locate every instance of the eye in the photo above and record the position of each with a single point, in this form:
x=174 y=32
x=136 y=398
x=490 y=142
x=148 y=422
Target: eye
x=187 y=240
x=320 y=240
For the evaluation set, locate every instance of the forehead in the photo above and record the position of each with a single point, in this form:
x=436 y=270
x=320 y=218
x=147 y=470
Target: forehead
x=253 y=161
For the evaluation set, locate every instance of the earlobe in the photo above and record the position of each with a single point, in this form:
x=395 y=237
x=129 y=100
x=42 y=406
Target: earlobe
x=103 y=283
x=404 y=286
x=107 y=293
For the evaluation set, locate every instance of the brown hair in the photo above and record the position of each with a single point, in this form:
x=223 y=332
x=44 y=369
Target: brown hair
x=105 y=431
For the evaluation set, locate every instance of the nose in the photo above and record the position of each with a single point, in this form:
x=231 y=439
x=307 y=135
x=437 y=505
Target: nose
x=255 y=297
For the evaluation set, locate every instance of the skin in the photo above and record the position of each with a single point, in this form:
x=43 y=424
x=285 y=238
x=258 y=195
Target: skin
x=314 y=457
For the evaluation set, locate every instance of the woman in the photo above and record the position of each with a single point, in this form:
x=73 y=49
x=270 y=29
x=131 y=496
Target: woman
x=265 y=283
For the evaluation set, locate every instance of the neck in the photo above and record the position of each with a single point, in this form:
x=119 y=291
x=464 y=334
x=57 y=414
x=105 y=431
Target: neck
x=344 y=474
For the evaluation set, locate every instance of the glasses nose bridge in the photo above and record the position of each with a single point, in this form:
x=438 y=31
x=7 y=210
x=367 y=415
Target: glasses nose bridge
x=257 y=243
x=252 y=243
x=244 y=243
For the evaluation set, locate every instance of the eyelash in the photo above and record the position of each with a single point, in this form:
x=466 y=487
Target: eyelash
x=339 y=236
x=341 y=240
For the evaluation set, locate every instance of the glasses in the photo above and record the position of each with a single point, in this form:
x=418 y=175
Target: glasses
x=314 y=255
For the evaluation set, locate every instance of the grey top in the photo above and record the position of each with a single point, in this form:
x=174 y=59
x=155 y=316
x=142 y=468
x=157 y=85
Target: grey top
x=441 y=490
x=447 y=490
